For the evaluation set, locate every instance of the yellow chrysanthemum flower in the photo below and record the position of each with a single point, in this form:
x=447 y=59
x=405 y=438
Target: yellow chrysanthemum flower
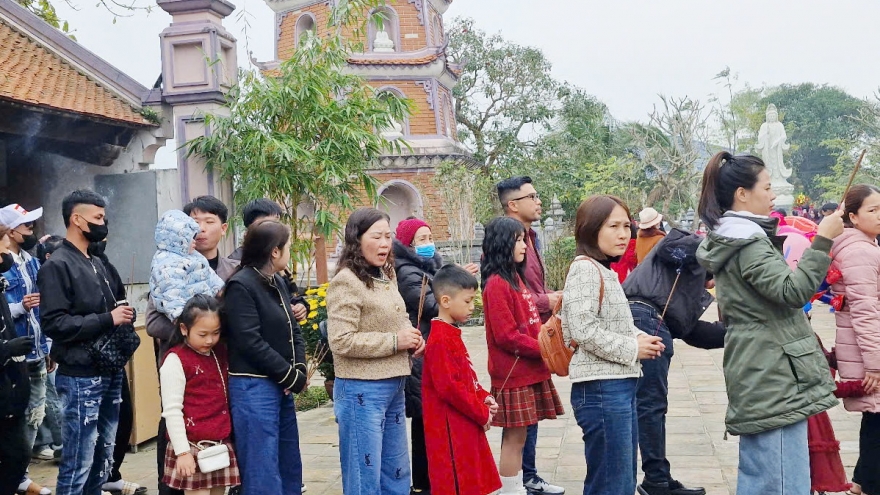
x=313 y=305
x=312 y=314
x=303 y=322
x=323 y=304
x=311 y=292
x=314 y=326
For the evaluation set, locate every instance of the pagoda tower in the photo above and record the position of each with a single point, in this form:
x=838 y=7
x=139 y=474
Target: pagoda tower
x=405 y=54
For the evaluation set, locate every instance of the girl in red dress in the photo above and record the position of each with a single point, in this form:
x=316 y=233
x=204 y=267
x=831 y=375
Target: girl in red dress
x=520 y=381
x=456 y=410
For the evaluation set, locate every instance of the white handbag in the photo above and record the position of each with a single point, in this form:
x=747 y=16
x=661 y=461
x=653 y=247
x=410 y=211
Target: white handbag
x=212 y=456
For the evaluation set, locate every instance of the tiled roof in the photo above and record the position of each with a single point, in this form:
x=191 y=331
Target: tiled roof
x=32 y=75
x=395 y=61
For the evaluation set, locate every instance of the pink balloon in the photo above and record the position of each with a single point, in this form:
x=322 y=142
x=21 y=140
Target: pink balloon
x=795 y=245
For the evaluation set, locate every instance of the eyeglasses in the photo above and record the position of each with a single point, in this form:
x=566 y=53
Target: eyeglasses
x=533 y=197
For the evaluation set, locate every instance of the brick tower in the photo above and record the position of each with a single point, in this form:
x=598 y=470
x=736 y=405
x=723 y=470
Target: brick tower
x=406 y=55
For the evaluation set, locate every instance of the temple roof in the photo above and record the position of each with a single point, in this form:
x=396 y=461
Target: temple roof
x=34 y=71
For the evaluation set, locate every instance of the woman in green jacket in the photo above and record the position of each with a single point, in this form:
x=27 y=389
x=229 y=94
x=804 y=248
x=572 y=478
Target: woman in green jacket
x=775 y=372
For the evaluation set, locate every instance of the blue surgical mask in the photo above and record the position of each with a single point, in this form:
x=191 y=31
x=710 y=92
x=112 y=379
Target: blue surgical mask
x=426 y=250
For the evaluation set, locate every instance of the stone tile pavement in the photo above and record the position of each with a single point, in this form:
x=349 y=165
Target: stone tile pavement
x=697 y=450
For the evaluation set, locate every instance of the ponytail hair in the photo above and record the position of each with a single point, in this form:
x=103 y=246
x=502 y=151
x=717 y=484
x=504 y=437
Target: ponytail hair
x=723 y=176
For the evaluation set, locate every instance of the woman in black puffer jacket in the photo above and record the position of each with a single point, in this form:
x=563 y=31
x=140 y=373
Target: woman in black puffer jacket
x=416 y=259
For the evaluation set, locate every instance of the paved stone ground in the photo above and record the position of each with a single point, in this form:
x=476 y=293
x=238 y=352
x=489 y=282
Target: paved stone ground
x=696 y=446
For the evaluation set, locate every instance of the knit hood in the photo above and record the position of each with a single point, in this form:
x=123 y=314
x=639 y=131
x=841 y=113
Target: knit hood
x=735 y=231
x=175 y=232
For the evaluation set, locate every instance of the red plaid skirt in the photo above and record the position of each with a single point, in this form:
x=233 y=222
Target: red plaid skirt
x=527 y=405
x=200 y=481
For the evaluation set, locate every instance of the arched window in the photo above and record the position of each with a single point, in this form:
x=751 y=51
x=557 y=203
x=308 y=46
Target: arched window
x=306 y=22
x=401 y=200
x=397 y=129
x=383 y=31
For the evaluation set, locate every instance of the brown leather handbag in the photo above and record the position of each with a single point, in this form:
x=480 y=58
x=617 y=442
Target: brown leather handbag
x=554 y=350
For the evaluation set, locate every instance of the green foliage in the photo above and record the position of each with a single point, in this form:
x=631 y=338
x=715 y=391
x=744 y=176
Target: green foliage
x=312 y=398
x=467 y=196
x=304 y=135
x=815 y=116
x=505 y=91
x=558 y=256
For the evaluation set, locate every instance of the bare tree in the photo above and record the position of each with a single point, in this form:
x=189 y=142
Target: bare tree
x=671 y=147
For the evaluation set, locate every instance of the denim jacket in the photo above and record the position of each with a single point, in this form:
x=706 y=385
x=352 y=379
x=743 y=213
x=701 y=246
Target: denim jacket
x=27 y=323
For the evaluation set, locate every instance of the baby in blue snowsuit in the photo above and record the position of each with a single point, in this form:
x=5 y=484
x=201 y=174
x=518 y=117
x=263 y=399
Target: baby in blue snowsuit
x=178 y=271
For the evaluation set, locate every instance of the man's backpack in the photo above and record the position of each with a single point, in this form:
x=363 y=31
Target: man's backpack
x=554 y=351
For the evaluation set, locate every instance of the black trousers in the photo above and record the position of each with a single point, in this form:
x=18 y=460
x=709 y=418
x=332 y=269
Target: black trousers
x=14 y=454
x=123 y=430
x=420 y=479
x=867 y=472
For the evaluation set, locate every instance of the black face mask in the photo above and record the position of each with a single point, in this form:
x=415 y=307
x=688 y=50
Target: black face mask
x=7 y=262
x=28 y=241
x=96 y=232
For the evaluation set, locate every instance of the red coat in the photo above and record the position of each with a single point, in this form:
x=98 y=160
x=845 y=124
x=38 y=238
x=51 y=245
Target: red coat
x=512 y=326
x=460 y=461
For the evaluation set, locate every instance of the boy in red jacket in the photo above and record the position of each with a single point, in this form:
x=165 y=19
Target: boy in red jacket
x=457 y=410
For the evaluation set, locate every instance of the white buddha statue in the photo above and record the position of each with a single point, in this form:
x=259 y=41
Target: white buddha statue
x=771 y=145
x=392 y=132
x=383 y=43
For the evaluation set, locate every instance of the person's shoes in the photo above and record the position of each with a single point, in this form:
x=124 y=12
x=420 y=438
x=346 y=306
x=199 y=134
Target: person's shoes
x=46 y=454
x=304 y=488
x=419 y=491
x=30 y=487
x=648 y=488
x=676 y=488
x=123 y=487
x=538 y=485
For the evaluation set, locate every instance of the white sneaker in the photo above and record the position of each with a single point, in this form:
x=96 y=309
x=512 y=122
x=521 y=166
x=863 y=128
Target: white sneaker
x=47 y=454
x=538 y=485
x=304 y=488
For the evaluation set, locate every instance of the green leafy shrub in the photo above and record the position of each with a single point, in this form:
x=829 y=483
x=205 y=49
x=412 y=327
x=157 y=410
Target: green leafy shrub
x=557 y=258
x=312 y=398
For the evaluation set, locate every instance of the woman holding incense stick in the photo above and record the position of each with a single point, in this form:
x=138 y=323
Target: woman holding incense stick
x=856 y=255
x=267 y=364
x=372 y=340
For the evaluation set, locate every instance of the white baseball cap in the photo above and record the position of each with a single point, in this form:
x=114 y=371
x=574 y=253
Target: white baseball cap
x=14 y=215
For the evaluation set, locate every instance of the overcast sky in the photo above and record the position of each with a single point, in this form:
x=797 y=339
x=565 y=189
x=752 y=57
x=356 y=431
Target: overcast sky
x=624 y=52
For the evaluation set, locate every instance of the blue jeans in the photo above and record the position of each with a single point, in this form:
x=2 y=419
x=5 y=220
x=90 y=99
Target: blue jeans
x=90 y=408
x=372 y=436
x=528 y=465
x=36 y=409
x=266 y=436
x=606 y=412
x=49 y=434
x=652 y=395
x=775 y=461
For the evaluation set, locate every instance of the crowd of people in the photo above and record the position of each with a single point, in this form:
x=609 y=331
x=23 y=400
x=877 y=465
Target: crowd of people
x=231 y=355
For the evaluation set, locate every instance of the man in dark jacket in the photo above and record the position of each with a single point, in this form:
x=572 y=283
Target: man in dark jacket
x=14 y=387
x=78 y=306
x=672 y=263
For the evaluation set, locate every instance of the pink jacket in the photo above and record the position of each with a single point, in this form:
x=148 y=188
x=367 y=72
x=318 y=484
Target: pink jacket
x=857 y=256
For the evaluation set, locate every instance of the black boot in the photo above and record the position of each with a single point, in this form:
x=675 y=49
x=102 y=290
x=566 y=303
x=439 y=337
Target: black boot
x=676 y=488
x=648 y=488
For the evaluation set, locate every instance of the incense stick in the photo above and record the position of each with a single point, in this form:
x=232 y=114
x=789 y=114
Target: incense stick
x=317 y=358
x=852 y=177
x=422 y=296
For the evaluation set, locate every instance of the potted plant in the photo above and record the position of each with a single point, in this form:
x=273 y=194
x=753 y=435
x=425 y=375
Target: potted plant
x=316 y=299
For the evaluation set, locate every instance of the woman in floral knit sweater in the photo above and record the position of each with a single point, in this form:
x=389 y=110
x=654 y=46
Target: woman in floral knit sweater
x=520 y=381
x=605 y=368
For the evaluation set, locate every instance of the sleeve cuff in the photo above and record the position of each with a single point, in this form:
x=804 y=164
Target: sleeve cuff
x=822 y=244
x=106 y=320
x=17 y=309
